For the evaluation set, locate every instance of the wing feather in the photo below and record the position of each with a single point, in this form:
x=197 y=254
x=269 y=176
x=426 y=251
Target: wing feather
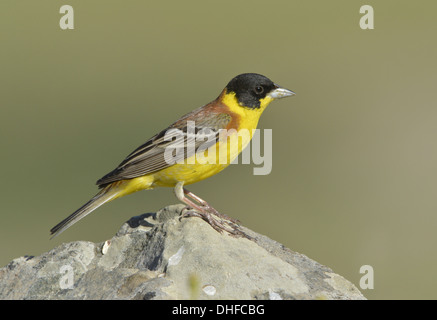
x=150 y=156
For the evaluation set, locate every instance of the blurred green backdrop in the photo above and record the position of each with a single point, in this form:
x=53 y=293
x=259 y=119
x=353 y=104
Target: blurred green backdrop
x=354 y=178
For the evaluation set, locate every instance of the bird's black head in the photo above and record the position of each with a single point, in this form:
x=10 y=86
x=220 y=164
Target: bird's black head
x=250 y=88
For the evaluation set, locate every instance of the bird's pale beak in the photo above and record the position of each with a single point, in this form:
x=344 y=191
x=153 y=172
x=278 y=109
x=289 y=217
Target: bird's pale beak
x=279 y=93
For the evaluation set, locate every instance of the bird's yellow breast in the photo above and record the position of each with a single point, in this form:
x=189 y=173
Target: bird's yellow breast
x=206 y=164
x=227 y=149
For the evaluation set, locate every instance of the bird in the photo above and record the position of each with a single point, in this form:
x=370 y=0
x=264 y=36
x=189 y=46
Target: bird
x=154 y=163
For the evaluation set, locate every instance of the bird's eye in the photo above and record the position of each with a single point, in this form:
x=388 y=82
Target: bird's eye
x=259 y=89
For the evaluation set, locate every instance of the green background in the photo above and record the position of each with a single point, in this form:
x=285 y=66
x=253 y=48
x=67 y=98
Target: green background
x=354 y=179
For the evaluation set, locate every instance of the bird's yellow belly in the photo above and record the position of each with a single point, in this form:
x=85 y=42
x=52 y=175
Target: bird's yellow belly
x=210 y=163
x=203 y=165
x=188 y=173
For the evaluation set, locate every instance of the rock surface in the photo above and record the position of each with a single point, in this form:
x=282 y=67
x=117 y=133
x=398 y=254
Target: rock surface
x=158 y=256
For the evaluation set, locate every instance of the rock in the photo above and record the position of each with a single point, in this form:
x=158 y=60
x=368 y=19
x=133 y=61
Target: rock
x=159 y=256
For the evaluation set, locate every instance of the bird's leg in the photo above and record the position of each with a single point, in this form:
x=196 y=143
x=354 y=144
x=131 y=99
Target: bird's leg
x=203 y=210
x=198 y=210
x=208 y=207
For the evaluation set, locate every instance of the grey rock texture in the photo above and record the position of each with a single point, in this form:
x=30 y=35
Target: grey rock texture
x=159 y=256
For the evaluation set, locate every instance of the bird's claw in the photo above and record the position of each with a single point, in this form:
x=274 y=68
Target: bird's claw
x=218 y=221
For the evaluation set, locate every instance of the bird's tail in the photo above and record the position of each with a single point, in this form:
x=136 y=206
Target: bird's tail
x=105 y=195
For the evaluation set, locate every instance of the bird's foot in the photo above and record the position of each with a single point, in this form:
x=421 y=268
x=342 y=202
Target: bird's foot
x=218 y=221
x=197 y=207
x=202 y=205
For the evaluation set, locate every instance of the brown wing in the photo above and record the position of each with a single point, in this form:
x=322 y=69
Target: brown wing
x=149 y=157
